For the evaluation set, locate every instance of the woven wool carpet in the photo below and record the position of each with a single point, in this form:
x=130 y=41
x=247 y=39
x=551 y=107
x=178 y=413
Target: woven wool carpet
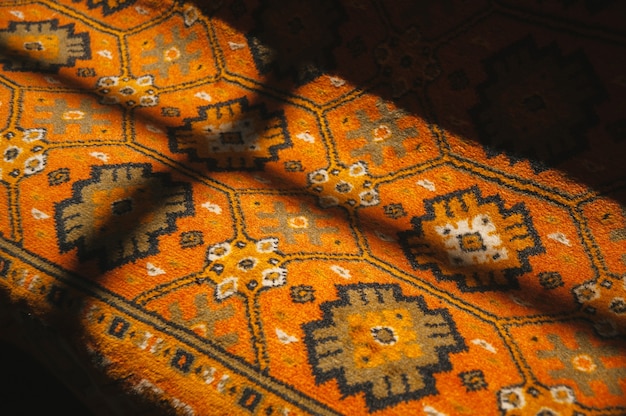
x=317 y=207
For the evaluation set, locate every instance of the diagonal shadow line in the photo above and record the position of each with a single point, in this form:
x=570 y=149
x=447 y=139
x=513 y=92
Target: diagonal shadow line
x=273 y=80
x=147 y=119
x=144 y=118
x=115 y=242
x=281 y=73
x=366 y=221
x=274 y=36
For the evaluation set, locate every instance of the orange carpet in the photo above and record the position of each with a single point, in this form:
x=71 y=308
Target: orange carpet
x=333 y=207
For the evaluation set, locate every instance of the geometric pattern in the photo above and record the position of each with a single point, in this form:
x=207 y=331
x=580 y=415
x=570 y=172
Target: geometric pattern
x=42 y=46
x=117 y=215
x=231 y=136
x=109 y=6
x=329 y=208
x=63 y=115
x=205 y=320
x=585 y=364
x=463 y=233
x=22 y=152
x=244 y=267
x=380 y=134
x=304 y=222
x=377 y=341
x=350 y=186
x=619 y=234
x=473 y=380
x=134 y=92
x=605 y=301
x=172 y=53
x=538 y=400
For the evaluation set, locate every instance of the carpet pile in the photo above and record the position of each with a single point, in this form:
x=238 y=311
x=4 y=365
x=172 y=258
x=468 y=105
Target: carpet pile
x=333 y=207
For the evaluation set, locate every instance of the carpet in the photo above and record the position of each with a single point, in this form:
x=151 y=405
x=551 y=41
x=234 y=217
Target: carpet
x=339 y=207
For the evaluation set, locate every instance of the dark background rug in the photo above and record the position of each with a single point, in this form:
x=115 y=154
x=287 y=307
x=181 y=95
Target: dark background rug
x=30 y=389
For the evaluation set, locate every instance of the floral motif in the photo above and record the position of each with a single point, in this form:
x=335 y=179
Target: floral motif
x=463 y=232
x=128 y=91
x=351 y=187
x=377 y=341
x=587 y=292
x=244 y=266
x=538 y=400
x=22 y=153
x=604 y=302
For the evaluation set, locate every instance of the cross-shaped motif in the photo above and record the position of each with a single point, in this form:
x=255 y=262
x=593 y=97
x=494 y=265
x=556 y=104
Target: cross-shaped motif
x=291 y=224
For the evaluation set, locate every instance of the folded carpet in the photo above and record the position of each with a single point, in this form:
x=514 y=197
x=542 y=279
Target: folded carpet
x=333 y=207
